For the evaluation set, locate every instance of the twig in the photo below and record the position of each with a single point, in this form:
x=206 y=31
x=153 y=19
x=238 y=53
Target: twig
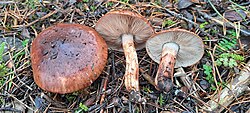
x=231 y=91
x=183 y=18
x=186 y=80
x=7 y=2
x=104 y=88
x=213 y=71
x=181 y=105
x=39 y=19
x=19 y=101
x=227 y=24
x=147 y=77
x=10 y=109
x=15 y=73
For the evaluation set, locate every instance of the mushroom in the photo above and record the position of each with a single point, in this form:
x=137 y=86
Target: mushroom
x=67 y=57
x=171 y=49
x=126 y=31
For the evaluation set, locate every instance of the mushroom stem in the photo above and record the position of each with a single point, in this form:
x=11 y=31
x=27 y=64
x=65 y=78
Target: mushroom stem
x=164 y=76
x=132 y=67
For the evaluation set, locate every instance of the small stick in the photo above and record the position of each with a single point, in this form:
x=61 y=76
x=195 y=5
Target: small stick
x=147 y=77
x=7 y=2
x=229 y=24
x=37 y=20
x=231 y=91
x=188 y=20
x=104 y=88
x=20 y=101
x=186 y=81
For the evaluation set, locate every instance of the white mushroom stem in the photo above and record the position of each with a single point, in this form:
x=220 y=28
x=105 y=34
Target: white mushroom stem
x=132 y=67
x=164 y=76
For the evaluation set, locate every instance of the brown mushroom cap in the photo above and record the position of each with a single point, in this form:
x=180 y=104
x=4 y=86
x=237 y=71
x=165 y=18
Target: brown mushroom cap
x=191 y=47
x=112 y=25
x=67 y=57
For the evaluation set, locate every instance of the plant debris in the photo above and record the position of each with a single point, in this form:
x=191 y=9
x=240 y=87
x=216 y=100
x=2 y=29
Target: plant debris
x=222 y=25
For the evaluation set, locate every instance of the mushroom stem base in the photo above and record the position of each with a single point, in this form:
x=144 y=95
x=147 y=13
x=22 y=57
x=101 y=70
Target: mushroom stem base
x=164 y=76
x=132 y=67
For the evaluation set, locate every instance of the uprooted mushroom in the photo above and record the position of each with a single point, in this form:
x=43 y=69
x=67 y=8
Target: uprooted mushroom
x=126 y=31
x=171 y=49
x=67 y=57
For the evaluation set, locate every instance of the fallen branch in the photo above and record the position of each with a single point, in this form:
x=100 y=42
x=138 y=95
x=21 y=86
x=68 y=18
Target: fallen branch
x=180 y=16
x=226 y=23
x=231 y=91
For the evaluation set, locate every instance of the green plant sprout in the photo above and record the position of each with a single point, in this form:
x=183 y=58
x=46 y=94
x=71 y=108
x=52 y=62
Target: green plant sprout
x=226 y=44
x=85 y=1
x=93 y=8
x=82 y=108
x=223 y=84
x=210 y=78
x=3 y=68
x=2 y=51
x=19 y=54
x=31 y=3
x=146 y=89
x=25 y=42
x=232 y=33
x=125 y=1
x=229 y=60
x=167 y=22
x=208 y=71
x=206 y=38
x=1 y=100
x=161 y=100
x=202 y=25
x=158 y=2
x=109 y=4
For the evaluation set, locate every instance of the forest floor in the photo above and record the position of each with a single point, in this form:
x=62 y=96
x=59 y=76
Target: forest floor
x=222 y=25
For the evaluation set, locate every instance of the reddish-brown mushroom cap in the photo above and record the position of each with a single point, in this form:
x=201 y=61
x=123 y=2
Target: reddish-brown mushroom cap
x=67 y=57
x=116 y=23
x=191 y=47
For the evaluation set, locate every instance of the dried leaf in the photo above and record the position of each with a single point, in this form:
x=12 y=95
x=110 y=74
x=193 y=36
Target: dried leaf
x=41 y=14
x=204 y=84
x=182 y=4
x=157 y=21
x=10 y=64
x=25 y=33
x=72 y=2
x=90 y=101
x=40 y=103
x=18 y=107
x=245 y=41
x=233 y=15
